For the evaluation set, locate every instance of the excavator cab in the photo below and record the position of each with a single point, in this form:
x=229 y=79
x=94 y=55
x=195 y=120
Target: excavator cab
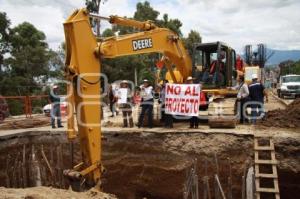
x=214 y=65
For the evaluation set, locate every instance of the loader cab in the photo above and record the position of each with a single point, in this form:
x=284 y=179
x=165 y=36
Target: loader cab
x=214 y=65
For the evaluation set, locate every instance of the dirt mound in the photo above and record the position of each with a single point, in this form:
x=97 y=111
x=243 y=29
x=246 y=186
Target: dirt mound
x=51 y=193
x=287 y=118
x=25 y=123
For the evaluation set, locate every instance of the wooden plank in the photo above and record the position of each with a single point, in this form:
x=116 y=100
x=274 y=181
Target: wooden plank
x=263 y=148
x=267 y=190
x=256 y=168
x=265 y=175
x=276 y=187
x=266 y=162
x=257 y=183
x=256 y=156
x=274 y=169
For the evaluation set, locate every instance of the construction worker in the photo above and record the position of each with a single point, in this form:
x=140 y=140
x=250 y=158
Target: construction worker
x=257 y=93
x=146 y=104
x=211 y=73
x=242 y=98
x=239 y=64
x=166 y=118
x=55 y=107
x=126 y=107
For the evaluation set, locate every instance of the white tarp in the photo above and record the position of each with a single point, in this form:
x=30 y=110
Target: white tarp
x=182 y=99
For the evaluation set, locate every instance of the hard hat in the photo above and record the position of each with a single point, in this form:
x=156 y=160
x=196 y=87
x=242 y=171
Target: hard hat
x=124 y=82
x=254 y=76
x=145 y=80
x=54 y=86
x=189 y=78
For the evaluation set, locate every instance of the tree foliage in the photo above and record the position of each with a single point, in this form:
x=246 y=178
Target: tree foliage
x=193 y=37
x=124 y=67
x=4 y=37
x=27 y=65
x=290 y=67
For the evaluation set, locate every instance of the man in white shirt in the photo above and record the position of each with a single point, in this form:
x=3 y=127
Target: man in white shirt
x=243 y=93
x=147 y=103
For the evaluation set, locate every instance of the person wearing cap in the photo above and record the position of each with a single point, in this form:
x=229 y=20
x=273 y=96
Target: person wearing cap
x=242 y=98
x=166 y=118
x=257 y=93
x=55 y=107
x=189 y=80
x=146 y=104
x=126 y=108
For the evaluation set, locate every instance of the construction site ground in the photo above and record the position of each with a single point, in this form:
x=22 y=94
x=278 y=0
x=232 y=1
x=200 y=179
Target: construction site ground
x=149 y=163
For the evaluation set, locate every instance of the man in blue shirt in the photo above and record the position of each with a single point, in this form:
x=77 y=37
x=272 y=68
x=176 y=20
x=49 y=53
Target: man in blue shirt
x=257 y=93
x=55 y=107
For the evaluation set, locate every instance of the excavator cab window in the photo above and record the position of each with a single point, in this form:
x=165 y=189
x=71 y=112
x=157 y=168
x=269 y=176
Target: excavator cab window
x=212 y=64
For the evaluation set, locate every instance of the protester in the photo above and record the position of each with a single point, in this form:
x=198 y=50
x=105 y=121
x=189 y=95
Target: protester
x=146 y=104
x=194 y=121
x=242 y=97
x=111 y=98
x=55 y=107
x=166 y=118
x=125 y=104
x=257 y=93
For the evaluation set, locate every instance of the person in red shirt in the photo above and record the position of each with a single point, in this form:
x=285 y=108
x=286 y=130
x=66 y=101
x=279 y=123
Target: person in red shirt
x=239 y=64
x=218 y=77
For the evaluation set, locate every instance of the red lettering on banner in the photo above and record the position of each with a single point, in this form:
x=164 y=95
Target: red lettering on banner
x=177 y=90
x=169 y=89
x=186 y=108
x=196 y=106
x=194 y=92
x=188 y=91
x=182 y=105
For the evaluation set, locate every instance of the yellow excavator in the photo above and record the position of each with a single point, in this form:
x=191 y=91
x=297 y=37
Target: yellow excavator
x=83 y=65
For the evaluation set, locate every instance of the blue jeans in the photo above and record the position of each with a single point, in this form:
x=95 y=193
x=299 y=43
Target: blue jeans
x=55 y=112
x=257 y=110
x=147 y=106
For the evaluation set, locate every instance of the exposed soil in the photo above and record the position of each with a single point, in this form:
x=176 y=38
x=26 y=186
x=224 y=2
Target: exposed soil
x=149 y=165
x=25 y=123
x=287 y=118
x=51 y=193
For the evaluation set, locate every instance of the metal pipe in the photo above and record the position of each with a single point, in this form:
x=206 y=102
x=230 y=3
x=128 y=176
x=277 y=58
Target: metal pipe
x=96 y=16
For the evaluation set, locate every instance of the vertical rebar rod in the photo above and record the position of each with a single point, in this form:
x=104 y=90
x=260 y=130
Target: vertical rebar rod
x=229 y=180
x=24 y=170
x=8 y=181
x=220 y=187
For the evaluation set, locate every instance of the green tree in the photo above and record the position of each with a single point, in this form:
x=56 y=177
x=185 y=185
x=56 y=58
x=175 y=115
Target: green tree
x=4 y=38
x=94 y=6
x=56 y=62
x=172 y=24
x=193 y=37
x=107 y=33
x=28 y=63
x=145 y=12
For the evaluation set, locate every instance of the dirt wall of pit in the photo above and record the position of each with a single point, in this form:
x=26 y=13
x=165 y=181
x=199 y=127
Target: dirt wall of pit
x=151 y=165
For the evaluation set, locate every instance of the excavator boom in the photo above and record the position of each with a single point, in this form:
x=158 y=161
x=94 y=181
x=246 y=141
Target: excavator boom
x=82 y=70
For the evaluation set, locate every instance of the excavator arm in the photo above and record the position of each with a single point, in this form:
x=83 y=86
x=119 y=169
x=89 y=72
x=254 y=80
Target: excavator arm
x=83 y=66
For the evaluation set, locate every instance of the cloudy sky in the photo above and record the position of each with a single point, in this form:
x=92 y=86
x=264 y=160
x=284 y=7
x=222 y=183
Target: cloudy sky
x=236 y=22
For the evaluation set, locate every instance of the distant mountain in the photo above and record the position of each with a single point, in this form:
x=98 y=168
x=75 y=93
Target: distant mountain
x=282 y=55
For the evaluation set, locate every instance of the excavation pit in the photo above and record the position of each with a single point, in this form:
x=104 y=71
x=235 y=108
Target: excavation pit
x=148 y=165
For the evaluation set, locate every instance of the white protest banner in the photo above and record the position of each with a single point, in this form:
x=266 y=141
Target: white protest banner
x=182 y=99
x=122 y=95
